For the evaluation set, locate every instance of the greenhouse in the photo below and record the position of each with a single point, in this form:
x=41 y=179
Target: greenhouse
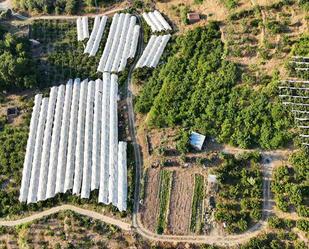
x=73 y=144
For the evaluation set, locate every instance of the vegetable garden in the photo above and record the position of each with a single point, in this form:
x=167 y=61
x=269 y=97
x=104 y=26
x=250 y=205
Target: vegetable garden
x=197 y=204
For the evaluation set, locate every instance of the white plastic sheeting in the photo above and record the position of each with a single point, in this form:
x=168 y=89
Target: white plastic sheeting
x=31 y=147
x=104 y=170
x=143 y=58
x=156 y=21
x=79 y=156
x=82 y=28
x=46 y=143
x=113 y=142
x=54 y=150
x=122 y=41
x=134 y=42
x=127 y=45
x=96 y=146
x=73 y=144
x=68 y=183
x=93 y=35
x=111 y=56
x=122 y=176
x=64 y=136
x=85 y=27
x=160 y=50
x=85 y=192
x=79 y=27
x=153 y=51
x=108 y=44
x=98 y=37
x=162 y=20
x=35 y=172
x=158 y=25
x=149 y=22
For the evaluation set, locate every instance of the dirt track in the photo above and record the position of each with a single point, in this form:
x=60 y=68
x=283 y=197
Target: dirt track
x=89 y=213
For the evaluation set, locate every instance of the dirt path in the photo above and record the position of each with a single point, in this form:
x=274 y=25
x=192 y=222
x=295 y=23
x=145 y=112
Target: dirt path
x=89 y=213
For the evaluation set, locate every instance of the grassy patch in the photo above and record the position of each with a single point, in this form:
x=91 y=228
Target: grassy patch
x=165 y=193
x=197 y=203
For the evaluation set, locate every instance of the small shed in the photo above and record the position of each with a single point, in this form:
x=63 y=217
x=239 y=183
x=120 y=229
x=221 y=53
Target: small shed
x=212 y=178
x=193 y=17
x=197 y=140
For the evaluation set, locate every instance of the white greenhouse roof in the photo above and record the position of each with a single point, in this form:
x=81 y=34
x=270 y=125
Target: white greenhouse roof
x=156 y=21
x=73 y=144
x=153 y=51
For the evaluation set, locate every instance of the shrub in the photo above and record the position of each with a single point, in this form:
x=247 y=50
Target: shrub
x=303 y=225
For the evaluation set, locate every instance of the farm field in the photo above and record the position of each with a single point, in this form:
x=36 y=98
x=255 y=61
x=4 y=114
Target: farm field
x=180 y=204
x=180 y=199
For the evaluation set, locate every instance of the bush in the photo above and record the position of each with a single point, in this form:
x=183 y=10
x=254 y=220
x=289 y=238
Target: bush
x=303 y=211
x=230 y=4
x=275 y=27
x=275 y=222
x=301 y=47
x=182 y=144
x=303 y=225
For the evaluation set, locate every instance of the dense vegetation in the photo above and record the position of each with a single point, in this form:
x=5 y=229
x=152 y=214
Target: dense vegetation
x=12 y=149
x=58 y=6
x=290 y=185
x=197 y=202
x=197 y=88
x=240 y=191
x=48 y=7
x=166 y=178
x=17 y=67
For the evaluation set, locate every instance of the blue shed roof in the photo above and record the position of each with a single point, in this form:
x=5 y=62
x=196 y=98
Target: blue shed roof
x=197 y=140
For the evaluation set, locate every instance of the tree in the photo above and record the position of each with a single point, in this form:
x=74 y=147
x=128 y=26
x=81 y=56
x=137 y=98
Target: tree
x=71 y=7
x=17 y=67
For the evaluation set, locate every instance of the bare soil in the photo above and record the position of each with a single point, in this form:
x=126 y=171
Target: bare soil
x=181 y=202
x=150 y=207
